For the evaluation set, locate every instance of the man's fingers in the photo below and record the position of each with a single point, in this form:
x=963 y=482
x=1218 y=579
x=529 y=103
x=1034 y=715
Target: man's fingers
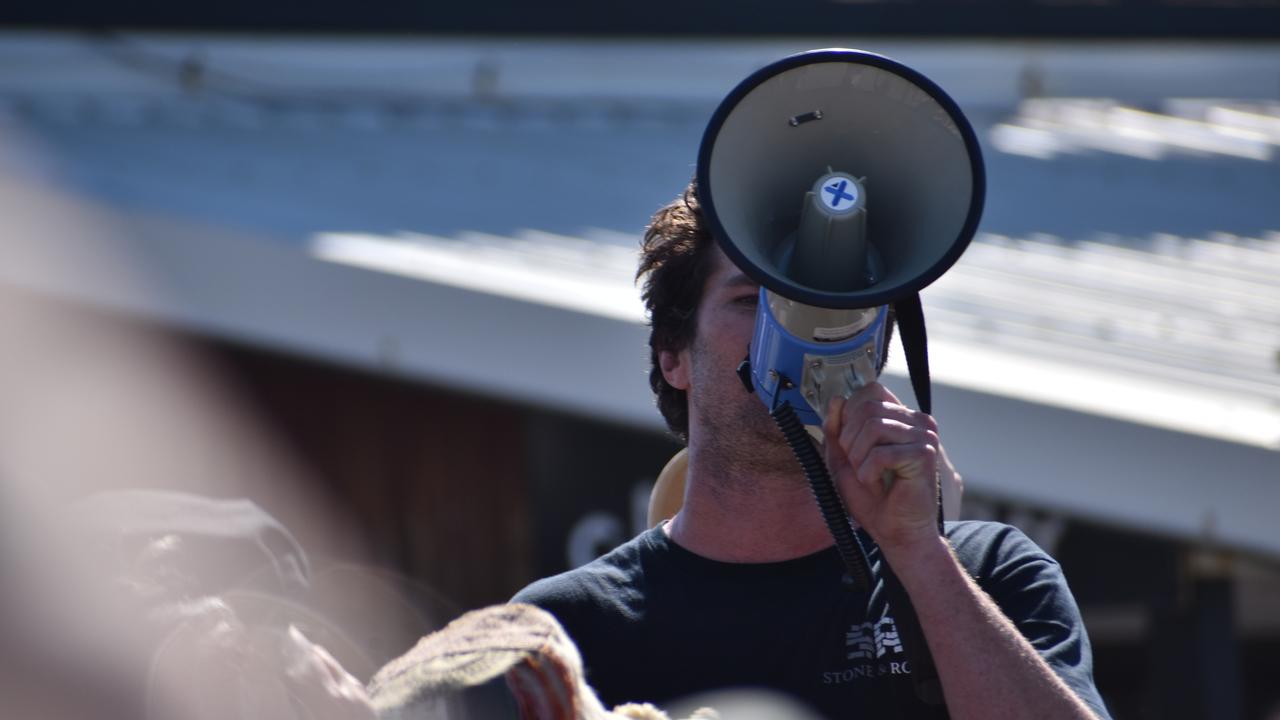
x=872 y=418
x=871 y=412
x=835 y=417
x=884 y=431
x=910 y=461
x=874 y=391
x=876 y=400
x=836 y=460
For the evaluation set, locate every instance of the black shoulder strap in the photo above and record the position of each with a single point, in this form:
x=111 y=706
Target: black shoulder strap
x=915 y=345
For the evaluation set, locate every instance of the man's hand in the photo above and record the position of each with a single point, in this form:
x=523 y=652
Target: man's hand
x=884 y=460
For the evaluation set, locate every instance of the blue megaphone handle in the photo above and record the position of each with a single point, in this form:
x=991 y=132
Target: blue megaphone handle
x=778 y=358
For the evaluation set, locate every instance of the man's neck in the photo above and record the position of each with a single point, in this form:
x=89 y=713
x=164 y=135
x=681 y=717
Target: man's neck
x=763 y=518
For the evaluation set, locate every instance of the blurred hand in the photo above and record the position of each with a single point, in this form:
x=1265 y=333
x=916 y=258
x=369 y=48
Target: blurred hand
x=213 y=667
x=323 y=687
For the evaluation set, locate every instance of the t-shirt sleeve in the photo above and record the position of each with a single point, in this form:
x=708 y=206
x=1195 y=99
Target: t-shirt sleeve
x=585 y=600
x=1031 y=590
x=557 y=595
x=594 y=611
x=540 y=593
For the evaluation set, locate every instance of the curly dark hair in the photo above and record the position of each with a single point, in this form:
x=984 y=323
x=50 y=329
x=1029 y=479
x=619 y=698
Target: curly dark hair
x=675 y=260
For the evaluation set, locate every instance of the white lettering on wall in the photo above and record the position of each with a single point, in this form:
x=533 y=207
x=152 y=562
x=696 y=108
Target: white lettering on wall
x=592 y=536
x=598 y=532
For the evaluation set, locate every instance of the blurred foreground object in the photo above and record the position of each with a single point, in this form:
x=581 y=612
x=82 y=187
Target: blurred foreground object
x=541 y=665
x=527 y=645
x=162 y=605
x=219 y=543
x=213 y=666
x=218 y=585
x=151 y=523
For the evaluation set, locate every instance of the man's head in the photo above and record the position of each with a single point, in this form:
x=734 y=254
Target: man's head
x=678 y=256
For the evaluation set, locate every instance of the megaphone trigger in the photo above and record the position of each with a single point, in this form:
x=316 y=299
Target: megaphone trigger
x=744 y=373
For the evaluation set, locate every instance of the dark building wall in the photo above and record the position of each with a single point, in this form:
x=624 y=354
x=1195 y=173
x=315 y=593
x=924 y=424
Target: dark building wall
x=471 y=496
x=438 y=482
x=590 y=486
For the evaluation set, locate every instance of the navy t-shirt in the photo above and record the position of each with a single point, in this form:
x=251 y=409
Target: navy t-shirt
x=656 y=623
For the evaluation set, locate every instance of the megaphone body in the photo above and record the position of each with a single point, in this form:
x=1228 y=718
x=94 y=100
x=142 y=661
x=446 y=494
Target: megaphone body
x=805 y=356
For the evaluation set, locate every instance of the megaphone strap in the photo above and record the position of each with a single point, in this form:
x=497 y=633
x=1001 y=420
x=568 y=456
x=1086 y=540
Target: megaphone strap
x=915 y=345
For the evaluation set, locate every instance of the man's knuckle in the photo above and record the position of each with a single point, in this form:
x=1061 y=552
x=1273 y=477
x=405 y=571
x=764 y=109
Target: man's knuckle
x=924 y=420
x=867 y=407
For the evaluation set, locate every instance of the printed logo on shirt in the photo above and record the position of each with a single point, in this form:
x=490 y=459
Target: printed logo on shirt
x=876 y=647
x=867 y=641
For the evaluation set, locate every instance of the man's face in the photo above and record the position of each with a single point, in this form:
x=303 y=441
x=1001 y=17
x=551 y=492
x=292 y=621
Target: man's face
x=726 y=423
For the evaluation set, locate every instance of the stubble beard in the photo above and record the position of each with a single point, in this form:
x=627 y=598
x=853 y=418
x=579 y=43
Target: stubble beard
x=736 y=436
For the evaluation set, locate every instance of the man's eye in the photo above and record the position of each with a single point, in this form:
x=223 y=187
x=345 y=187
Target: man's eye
x=747 y=300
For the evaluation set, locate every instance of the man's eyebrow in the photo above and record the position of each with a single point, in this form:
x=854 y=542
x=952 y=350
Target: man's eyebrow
x=739 y=279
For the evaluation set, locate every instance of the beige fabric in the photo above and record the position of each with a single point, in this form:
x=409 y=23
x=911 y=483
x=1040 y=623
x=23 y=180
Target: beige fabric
x=667 y=495
x=541 y=664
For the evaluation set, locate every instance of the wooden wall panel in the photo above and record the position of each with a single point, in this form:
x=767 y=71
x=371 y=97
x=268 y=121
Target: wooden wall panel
x=436 y=480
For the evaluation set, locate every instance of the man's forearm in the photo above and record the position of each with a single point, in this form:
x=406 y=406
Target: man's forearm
x=987 y=668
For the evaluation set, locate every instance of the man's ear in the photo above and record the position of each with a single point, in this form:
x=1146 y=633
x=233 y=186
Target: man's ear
x=675 y=368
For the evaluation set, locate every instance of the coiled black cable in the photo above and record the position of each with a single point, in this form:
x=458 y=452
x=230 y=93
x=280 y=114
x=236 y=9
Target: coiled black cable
x=857 y=572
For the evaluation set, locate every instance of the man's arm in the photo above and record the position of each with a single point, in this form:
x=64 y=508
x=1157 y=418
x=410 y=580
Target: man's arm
x=987 y=668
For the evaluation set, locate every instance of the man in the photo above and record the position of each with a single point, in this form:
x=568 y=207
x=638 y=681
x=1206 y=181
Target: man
x=742 y=586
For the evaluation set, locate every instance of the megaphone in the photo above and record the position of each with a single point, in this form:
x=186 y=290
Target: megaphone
x=842 y=182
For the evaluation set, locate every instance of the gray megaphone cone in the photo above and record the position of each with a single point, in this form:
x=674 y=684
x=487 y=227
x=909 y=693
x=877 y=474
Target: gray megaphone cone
x=846 y=115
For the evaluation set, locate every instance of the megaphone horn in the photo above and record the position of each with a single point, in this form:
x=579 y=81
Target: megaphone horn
x=815 y=124
x=840 y=180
